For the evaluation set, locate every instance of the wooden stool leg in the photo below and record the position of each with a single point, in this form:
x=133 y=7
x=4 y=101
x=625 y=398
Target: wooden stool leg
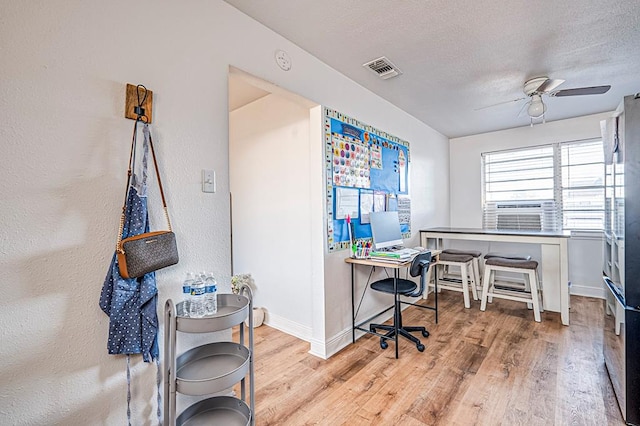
x=538 y=295
x=534 y=294
x=485 y=287
x=438 y=271
x=476 y=271
x=492 y=282
x=425 y=294
x=465 y=285
x=527 y=287
x=473 y=281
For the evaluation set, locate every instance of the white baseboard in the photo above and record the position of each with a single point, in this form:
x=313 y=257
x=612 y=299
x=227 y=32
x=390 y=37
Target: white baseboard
x=345 y=338
x=335 y=344
x=319 y=349
x=587 y=291
x=287 y=326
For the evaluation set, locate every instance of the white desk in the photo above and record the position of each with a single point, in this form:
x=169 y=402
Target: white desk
x=554 y=265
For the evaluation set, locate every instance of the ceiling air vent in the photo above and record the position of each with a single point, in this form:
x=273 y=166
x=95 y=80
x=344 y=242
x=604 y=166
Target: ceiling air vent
x=383 y=68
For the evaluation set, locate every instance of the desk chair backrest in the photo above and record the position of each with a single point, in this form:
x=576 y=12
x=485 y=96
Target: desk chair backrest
x=420 y=266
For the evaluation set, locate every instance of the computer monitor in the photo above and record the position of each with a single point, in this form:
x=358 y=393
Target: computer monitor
x=385 y=229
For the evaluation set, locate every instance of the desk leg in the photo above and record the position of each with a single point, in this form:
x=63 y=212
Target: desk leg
x=435 y=289
x=353 y=304
x=396 y=313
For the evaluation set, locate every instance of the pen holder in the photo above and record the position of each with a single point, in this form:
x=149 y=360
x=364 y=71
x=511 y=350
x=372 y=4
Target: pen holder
x=362 y=252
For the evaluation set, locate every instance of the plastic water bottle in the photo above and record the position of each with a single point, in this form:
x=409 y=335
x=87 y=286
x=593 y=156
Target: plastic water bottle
x=196 y=304
x=211 y=299
x=186 y=293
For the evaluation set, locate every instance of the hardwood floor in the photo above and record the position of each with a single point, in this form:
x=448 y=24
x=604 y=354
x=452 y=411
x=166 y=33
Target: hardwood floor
x=497 y=367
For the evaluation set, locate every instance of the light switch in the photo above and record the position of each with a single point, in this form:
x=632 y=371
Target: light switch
x=208 y=181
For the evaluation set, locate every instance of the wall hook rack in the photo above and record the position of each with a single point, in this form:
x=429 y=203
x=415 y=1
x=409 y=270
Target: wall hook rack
x=139 y=103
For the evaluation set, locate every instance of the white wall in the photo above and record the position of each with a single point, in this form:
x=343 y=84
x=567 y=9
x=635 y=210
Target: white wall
x=269 y=156
x=585 y=253
x=64 y=151
x=266 y=149
x=428 y=184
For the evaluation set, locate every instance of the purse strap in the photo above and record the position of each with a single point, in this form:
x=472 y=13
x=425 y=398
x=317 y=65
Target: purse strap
x=129 y=175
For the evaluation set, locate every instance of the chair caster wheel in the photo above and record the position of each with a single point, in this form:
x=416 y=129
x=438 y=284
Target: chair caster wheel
x=425 y=334
x=383 y=344
x=420 y=348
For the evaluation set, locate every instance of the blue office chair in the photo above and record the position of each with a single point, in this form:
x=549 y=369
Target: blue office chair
x=419 y=267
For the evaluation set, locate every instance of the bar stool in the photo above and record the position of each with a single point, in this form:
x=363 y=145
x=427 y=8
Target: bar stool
x=476 y=264
x=465 y=263
x=506 y=256
x=528 y=293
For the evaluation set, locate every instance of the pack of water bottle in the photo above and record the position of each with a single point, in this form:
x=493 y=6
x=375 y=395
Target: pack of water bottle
x=199 y=295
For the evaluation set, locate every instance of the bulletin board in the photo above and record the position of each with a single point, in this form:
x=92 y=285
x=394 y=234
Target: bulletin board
x=367 y=170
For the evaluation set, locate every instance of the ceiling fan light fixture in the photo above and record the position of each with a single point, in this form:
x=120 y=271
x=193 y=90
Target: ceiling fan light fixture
x=536 y=107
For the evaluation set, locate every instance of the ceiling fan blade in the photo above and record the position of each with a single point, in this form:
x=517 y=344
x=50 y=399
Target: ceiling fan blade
x=549 y=85
x=595 y=90
x=499 y=103
x=524 y=106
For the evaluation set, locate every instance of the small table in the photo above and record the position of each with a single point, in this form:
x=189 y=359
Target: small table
x=396 y=266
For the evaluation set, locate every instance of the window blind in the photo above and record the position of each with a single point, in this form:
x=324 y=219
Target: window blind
x=583 y=194
x=545 y=187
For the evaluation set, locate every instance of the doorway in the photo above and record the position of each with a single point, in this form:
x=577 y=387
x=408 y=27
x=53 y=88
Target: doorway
x=273 y=198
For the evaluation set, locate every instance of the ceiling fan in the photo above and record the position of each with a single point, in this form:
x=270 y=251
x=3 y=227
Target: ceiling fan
x=538 y=87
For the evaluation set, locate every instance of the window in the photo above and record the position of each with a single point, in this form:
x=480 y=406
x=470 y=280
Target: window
x=523 y=175
x=544 y=186
x=582 y=185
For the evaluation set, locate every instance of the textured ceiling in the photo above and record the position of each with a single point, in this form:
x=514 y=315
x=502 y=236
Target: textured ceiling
x=457 y=56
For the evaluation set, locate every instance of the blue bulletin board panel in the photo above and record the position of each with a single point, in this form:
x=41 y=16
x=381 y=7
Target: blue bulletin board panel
x=367 y=170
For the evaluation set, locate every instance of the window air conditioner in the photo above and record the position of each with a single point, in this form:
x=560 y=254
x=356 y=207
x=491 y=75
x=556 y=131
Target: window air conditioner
x=521 y=215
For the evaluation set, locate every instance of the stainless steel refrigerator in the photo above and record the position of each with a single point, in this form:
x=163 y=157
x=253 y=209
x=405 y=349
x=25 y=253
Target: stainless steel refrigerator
x=621 y=268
